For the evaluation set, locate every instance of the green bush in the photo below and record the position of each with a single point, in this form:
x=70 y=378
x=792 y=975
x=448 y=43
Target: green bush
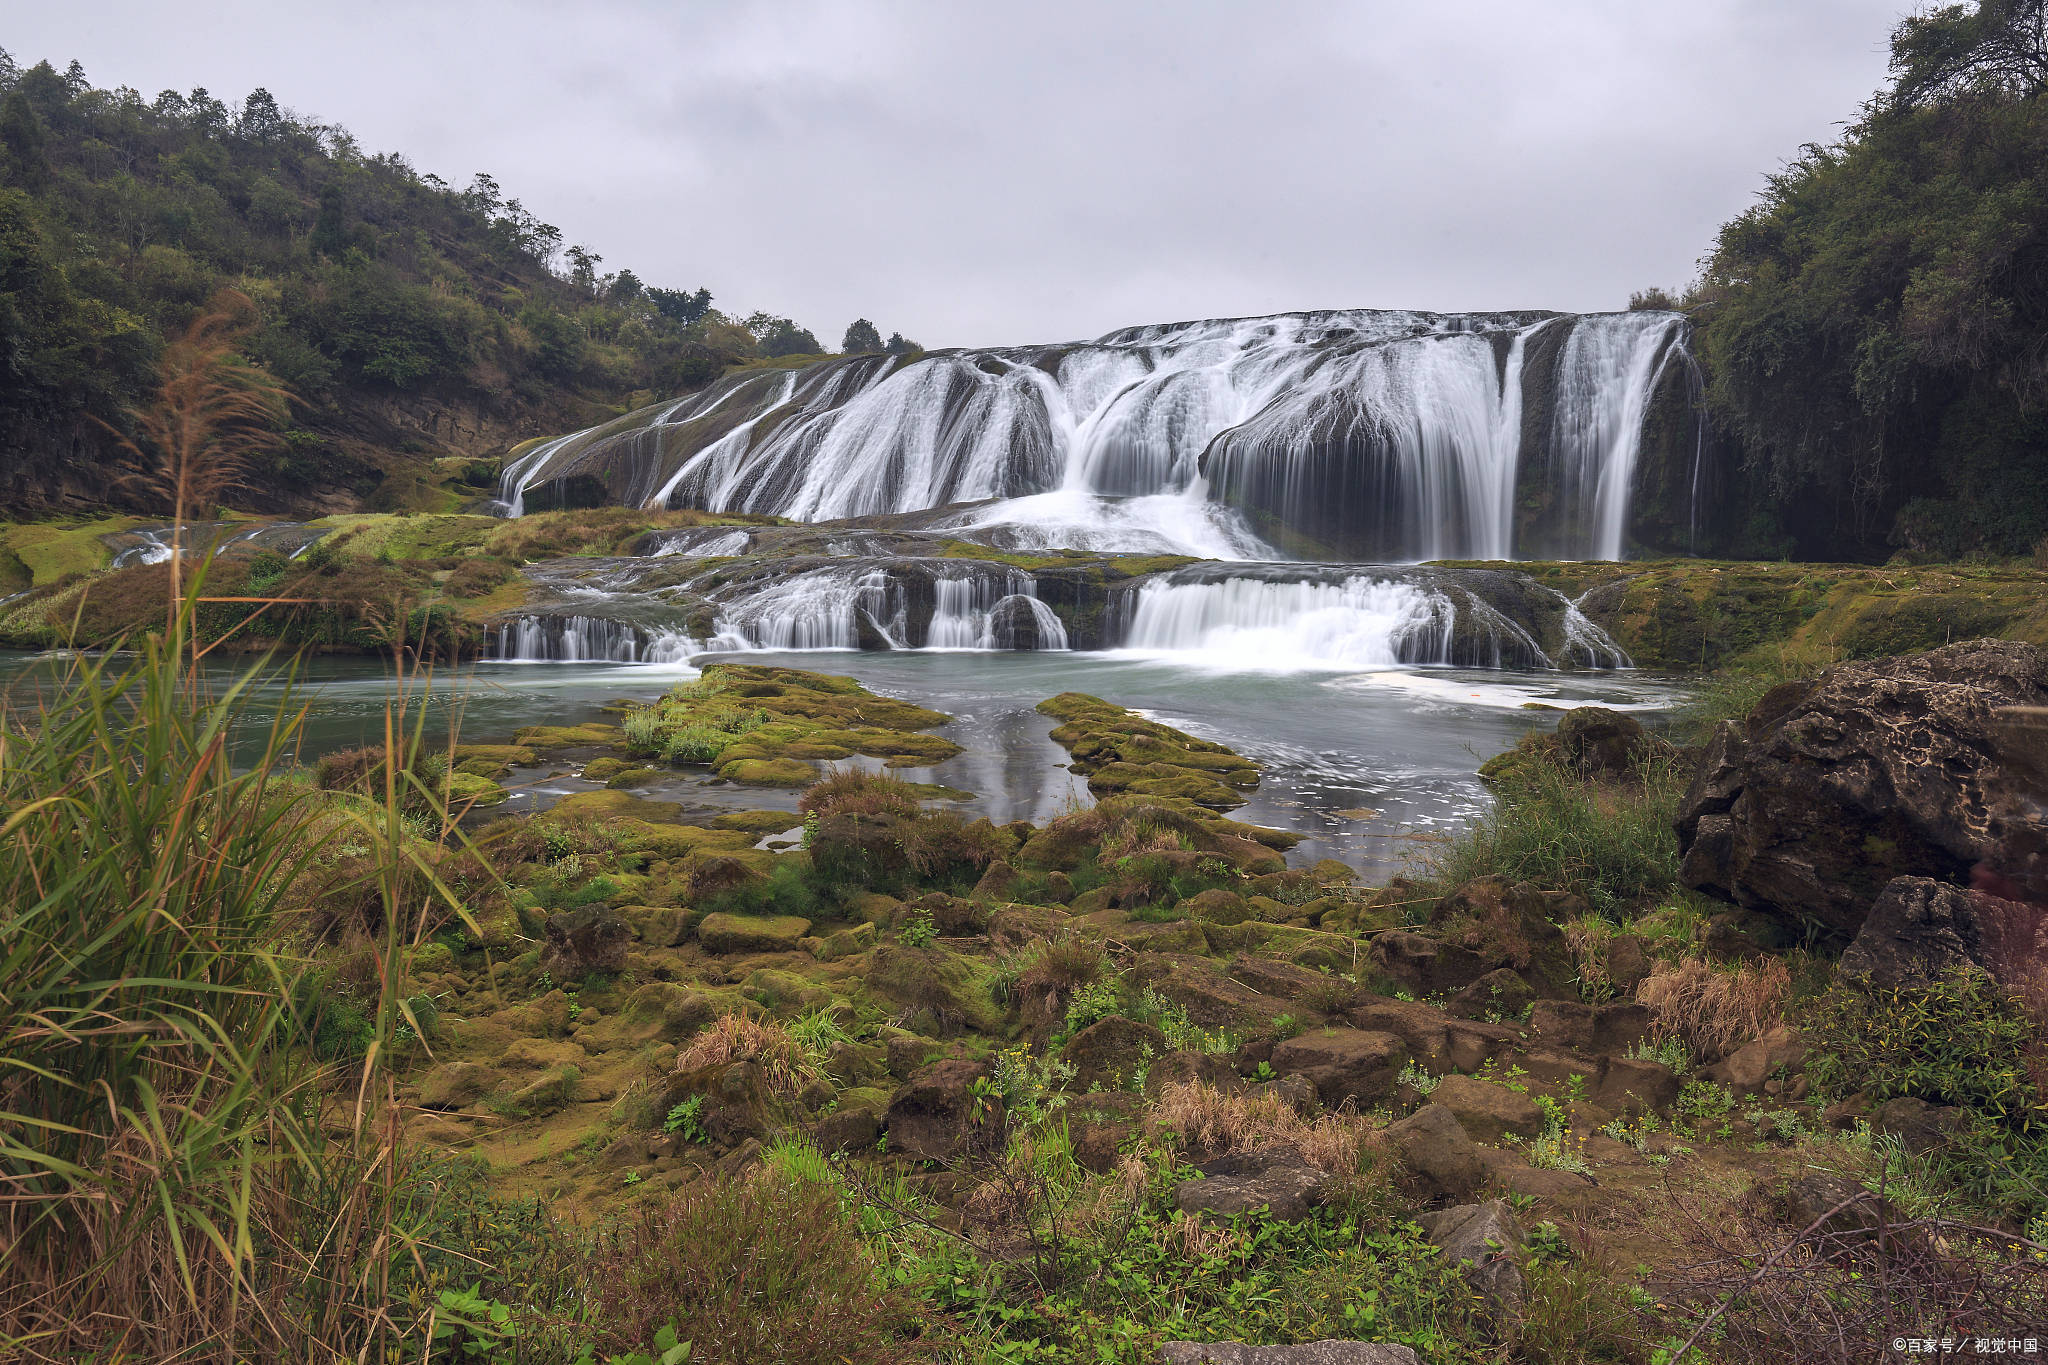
x=1612 y=845
x=1961 y=1041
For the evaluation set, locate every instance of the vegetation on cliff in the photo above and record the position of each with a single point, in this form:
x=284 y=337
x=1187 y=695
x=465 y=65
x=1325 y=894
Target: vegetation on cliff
x=1871 y=327
x=412 y=321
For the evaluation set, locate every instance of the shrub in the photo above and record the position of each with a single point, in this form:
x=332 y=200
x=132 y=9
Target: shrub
x=787 y=1063
x=1612 y=844
x=766 y=1269
x=1960 y=1041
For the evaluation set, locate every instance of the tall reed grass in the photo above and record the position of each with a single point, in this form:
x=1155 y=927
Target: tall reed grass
x=179 y=1179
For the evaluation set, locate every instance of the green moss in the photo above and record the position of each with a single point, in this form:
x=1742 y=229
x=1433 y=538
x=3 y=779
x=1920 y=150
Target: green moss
x=566 y=736
x=769 y=772
x=1120 y=751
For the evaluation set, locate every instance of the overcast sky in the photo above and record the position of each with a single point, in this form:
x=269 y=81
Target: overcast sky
x=978 y=174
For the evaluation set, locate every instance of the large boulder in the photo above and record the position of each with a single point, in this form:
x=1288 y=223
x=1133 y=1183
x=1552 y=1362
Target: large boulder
x=1921 y=929
x=1833 y=786
x=1438 y=1157
x=723 y=933
x=1276 y=1180
x=937 y=1116
x=1487 y=1111
x=1359 y=1065
x=1110 y=1052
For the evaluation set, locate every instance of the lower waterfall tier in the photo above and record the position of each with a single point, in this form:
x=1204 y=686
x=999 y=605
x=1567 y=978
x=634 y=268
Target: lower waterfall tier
x=1267 y=617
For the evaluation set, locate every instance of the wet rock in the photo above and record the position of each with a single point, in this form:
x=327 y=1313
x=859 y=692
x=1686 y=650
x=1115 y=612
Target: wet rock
x=723 y=933
x=1484 y=1241
x=1487 y=1111
x=1919 y=930
x=1355 y=1065
x=1832 y=787
x=1110 y=1052
x=1330 y=1352
x=593 y=939
x=935 y=1115
x=1438 y=1156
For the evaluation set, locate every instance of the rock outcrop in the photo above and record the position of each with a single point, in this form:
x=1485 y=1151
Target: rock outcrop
x=1833 y=786
x=1920 y=930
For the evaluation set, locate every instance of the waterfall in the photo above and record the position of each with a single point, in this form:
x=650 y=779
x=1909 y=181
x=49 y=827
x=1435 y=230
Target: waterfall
x=993 y=613
x=821 y=609
x=566 y=639
x=1356 y=623
x=1609 y=369
x=1362 y=434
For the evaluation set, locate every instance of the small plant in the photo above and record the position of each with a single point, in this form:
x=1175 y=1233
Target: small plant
x=668 y=1350
x=1264 y=1072
x=687 y=1119
x=1665 y=1051
x=632 y=1177
x=919 y=932
x=469 y=1326
x=1704 y=1100
x=1546 y=1242
x=1286 y=1026
x=1419 y=1080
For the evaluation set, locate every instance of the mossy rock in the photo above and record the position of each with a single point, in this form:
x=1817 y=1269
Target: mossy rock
x=758 y=822
x=566 y=736
x=432 y=958
x=951 y=989
x=659 y=926
x=477 y=791
x=632 y=777
x=600 y=769
x=723 y=933
x=494 y=761
x=1119 y=751
x=769 y=772
x=782 y=992
x=551 y=1091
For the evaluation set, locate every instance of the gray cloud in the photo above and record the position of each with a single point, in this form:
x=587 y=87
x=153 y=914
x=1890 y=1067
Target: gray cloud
x=977 y=175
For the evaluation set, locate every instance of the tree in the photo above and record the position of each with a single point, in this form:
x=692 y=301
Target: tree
x=1872 y=327
x=861 y=338
x=899 y=346
x=583 y=264
x=1999 y=49
x=330 y=228
x=625 y=287
x=22 y=137
x=261 y=119
x=679 y=305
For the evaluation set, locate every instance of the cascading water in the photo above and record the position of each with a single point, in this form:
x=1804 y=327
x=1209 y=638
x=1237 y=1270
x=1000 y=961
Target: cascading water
x=1608 y=371
x=984 y=613
x=566 y=639
x=1362 y=434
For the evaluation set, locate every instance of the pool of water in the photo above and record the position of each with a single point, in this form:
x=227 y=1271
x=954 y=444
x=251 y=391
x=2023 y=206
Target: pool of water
x=1365 y=765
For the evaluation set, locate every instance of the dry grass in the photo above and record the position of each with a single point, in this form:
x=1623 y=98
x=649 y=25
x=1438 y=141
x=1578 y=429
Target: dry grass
x=738 y=1038
x=1714 y=1010
x=1587 y=938
x=1215 y=1123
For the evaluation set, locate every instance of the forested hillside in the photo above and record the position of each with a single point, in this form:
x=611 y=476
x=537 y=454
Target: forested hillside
x=418 y=325
x=1875 y=328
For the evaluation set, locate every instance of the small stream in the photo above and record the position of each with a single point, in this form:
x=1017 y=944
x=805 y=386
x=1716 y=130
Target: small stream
x=1361 y=763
